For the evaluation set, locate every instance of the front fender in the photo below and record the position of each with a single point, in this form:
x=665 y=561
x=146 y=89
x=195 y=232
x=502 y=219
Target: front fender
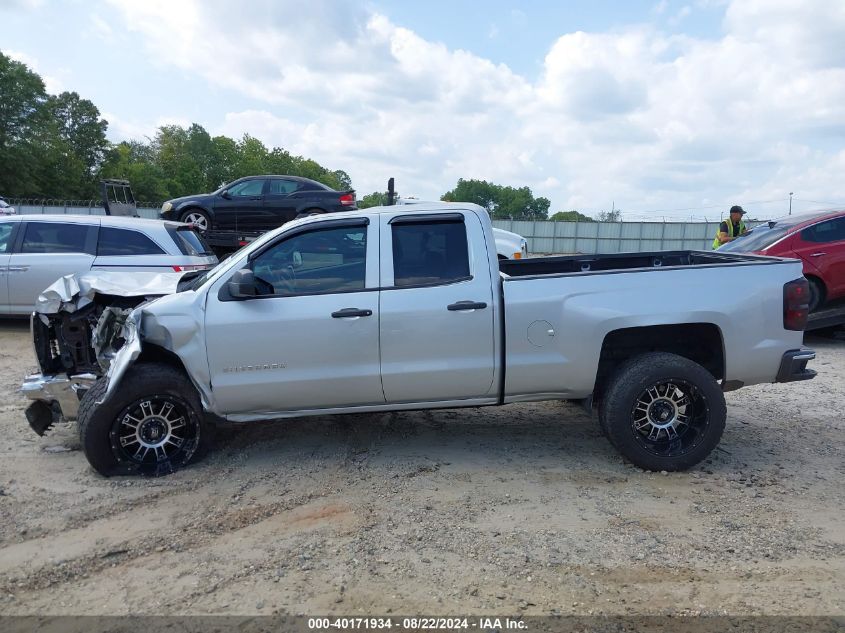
x=173 y=323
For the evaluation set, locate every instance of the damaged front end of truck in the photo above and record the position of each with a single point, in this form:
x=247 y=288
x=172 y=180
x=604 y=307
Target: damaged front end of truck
x=85 y=327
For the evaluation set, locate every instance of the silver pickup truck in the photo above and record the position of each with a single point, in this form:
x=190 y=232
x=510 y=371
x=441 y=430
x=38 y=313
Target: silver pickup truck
x=394 y=308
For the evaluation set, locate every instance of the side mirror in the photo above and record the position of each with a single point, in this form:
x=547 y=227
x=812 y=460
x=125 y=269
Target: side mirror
x=225 y=194
x=242 y=284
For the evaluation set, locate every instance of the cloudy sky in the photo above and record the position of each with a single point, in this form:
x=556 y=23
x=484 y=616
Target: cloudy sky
x=662 y=108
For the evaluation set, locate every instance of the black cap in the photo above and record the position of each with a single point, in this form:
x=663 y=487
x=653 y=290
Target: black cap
x=737 y=209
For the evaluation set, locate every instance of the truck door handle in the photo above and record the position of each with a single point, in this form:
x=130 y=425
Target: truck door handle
x=18 y=269
x=817 y=254
x=348 y=313
x=466 y=305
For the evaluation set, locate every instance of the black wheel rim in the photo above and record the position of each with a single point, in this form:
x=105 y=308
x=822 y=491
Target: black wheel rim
x=155 y=434
x=670 y=417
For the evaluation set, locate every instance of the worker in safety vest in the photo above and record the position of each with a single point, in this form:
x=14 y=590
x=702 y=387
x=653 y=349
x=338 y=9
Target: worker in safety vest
x=730 y=228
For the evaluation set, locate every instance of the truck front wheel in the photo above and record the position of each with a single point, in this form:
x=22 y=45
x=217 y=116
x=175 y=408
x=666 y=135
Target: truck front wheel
x=663 y=412
x=152 y=425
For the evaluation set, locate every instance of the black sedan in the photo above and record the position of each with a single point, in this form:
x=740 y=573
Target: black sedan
x=257 y=203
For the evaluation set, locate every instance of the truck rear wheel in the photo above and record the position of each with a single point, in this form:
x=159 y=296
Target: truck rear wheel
x=663 y=412
x=152 y=425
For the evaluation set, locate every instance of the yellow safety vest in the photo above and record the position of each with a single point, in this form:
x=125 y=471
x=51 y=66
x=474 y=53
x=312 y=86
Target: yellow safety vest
x=716 y=242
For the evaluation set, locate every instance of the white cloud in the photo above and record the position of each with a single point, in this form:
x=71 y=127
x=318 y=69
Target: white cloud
x=680 y=16
x=100 y=28
x=121 y=129
x=648 y=119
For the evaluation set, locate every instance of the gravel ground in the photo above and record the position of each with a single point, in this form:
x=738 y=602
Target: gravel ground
x=519 y=509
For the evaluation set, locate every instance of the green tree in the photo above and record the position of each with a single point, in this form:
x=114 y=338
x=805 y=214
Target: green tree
x=222 y=162
x=79 y=145
x=374 y=199
x=183 y=171
x=343 y=179
x=614 y=215
x=570 y=216
x=501 y=201
x=23 y=128
x=136 y=162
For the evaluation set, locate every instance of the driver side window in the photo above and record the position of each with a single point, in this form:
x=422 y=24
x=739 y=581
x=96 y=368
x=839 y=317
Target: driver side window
x=317 y=262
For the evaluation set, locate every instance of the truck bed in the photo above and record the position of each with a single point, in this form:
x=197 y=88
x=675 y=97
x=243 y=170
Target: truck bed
x=568 y=264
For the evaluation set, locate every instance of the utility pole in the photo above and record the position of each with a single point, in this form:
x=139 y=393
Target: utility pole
x=790 y=203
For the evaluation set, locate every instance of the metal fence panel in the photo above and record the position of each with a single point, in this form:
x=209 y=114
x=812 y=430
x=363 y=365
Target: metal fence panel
x=612 y=237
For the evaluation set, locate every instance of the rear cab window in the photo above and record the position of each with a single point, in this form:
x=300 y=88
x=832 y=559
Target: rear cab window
x=429 y=252
x=122 y=242
x=58 y=237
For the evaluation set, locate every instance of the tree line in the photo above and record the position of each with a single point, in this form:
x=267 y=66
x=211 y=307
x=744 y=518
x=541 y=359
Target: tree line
x=56 y=146
x=502 y=202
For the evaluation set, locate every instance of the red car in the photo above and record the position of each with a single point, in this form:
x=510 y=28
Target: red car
x=817 y=239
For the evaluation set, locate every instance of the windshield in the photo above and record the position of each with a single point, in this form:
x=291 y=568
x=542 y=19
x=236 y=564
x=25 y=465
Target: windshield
x=757 y=239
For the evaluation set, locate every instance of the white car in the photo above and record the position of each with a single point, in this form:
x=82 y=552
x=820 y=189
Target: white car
x=36 y=250
x=6 y=208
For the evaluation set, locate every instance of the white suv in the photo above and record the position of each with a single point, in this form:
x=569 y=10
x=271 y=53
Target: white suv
x=35 y=250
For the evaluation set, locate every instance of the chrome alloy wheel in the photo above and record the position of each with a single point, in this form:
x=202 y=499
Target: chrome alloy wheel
x=155 y=431
x=197 y=219
x=668 y=417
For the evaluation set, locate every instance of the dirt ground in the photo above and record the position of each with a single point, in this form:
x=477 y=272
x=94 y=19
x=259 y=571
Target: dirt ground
x=524 y=509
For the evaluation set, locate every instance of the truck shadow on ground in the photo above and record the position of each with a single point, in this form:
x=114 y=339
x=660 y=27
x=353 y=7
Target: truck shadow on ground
x=551 y=430
x=539 y=435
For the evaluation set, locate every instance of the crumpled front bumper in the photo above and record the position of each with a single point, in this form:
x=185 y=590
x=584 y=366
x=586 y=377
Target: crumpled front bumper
x=54 y=397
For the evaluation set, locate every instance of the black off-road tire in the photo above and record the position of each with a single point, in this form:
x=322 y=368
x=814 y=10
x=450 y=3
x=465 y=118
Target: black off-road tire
x=693 y=441
x=99 y=423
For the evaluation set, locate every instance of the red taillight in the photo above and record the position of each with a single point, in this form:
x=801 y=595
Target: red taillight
x=796 y=304
x=347 y=199
x=184 y=269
